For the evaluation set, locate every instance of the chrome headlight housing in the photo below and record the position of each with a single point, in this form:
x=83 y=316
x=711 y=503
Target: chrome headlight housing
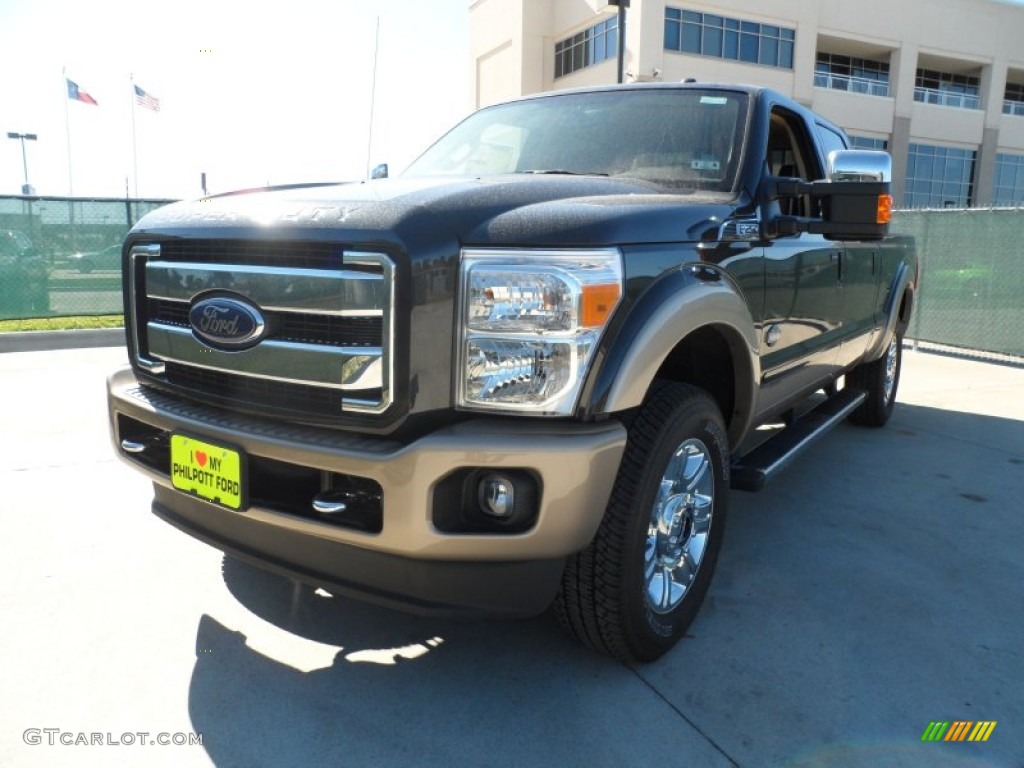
x=529 y=322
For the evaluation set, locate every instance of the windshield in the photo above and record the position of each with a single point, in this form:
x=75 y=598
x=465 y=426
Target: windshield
x=683 y=139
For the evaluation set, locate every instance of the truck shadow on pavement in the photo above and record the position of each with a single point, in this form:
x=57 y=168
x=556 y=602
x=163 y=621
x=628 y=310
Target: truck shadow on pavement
x=362 y=633
x=329 y=680
x=860 y=522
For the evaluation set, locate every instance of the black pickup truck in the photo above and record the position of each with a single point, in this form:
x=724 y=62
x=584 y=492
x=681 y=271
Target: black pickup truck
x=527 y=372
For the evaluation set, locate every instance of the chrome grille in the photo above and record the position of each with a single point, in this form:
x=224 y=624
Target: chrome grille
x=304 y=328
x=329 y=312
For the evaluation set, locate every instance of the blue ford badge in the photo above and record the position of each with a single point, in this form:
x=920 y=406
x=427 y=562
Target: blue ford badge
x=226 y=323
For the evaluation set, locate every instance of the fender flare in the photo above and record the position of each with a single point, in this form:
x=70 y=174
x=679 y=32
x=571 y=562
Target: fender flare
x=676 y=304
x=902 y=284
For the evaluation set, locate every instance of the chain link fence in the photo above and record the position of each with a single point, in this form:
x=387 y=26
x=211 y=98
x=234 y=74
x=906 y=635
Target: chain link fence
x=62 y=256
x=971 y=288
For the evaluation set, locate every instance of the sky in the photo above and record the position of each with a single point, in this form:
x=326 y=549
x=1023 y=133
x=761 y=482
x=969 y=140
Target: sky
x=250 y=93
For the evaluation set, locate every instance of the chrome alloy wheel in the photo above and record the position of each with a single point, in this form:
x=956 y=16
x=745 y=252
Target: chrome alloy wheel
x=677 y=534
x=891 y=358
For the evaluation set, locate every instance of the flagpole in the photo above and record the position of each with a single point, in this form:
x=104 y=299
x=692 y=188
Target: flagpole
x=71 y=189
x=373 y=95
x=67 y=128
x=135 y=152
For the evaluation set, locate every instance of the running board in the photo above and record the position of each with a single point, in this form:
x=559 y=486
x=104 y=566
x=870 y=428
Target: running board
x=751 y=472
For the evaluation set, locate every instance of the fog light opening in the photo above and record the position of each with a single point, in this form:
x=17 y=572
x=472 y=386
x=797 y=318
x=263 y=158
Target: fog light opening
x=496 y=496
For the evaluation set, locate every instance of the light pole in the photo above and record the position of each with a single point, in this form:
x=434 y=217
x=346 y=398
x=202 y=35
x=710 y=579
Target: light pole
x=623 y=5
x=26 y=188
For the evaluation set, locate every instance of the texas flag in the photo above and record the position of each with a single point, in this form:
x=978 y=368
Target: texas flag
x=77 y=94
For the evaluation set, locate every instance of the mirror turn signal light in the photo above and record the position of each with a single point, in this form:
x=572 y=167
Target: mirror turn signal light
x=884 y=215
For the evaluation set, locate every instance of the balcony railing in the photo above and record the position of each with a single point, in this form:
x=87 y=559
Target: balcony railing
x=1013 y=108
x=947 y=98
x=851 y=84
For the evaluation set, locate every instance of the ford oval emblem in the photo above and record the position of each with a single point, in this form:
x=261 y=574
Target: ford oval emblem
x=226 y=323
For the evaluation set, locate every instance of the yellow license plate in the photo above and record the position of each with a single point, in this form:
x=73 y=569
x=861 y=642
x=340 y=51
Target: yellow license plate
x=212 y=472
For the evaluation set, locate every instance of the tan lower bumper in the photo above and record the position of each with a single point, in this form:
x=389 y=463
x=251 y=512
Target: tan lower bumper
x=576 y=464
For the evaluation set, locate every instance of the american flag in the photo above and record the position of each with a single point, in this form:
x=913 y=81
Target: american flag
x=143 y=99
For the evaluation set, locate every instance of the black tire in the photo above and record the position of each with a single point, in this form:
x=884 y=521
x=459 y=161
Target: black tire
x=874 y=379
x=604 y=601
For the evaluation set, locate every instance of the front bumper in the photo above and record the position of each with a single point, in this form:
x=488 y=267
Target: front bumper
x=409 y=563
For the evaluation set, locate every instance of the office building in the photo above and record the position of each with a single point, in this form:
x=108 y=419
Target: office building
x=938 y=83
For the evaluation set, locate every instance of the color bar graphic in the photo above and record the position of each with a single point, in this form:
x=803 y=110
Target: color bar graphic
x=959 y=730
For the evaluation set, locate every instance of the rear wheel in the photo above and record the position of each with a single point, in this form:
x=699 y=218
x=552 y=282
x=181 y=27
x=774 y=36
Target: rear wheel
x=879 y=379
x=634 y=591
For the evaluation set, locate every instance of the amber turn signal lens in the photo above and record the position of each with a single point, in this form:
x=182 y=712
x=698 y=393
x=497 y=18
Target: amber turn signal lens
x=597 y=304
x=884 y=215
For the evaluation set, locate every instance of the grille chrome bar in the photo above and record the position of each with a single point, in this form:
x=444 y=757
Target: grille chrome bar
x=355 y=368
x=312 y=291
x=386 y=266
x=137 y=258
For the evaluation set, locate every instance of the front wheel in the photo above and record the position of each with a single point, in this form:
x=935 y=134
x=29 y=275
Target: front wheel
x=879 y=379
x=634 y=591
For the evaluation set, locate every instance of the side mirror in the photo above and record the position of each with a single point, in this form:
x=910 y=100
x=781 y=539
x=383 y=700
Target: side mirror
x=379 y=172
x=857 y=204
x=856 y=198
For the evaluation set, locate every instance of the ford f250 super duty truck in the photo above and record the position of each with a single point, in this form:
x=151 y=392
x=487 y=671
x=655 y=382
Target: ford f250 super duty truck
x=527 y=371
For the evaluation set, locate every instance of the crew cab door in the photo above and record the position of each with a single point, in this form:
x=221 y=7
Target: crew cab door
x=859 y=272
x=803 y=317
x=858 y=278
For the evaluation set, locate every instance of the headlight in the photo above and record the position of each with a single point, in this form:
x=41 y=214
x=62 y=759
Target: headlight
x=529 y=323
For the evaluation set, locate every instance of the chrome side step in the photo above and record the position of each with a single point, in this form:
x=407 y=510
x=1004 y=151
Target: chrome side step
x=752 y=471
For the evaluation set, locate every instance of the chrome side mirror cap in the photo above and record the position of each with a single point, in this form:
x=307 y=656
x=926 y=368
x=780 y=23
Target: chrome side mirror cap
x=859 y=165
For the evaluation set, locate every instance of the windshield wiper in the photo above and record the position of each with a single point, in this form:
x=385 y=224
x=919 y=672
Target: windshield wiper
x=562 y=172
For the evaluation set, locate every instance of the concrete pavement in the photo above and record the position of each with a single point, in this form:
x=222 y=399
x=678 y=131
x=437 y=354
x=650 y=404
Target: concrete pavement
x=874 y=587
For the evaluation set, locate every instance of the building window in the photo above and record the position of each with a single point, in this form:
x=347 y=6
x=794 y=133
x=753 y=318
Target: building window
x=947 y=90
x=706 y=34
x=1009 y=184
x=847 y=73
x=866 y=142
x=939 y=177
x=1013 y=103
x=591 y=46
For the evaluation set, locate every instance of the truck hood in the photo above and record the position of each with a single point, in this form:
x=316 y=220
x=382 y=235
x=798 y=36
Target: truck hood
x=553 y=210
